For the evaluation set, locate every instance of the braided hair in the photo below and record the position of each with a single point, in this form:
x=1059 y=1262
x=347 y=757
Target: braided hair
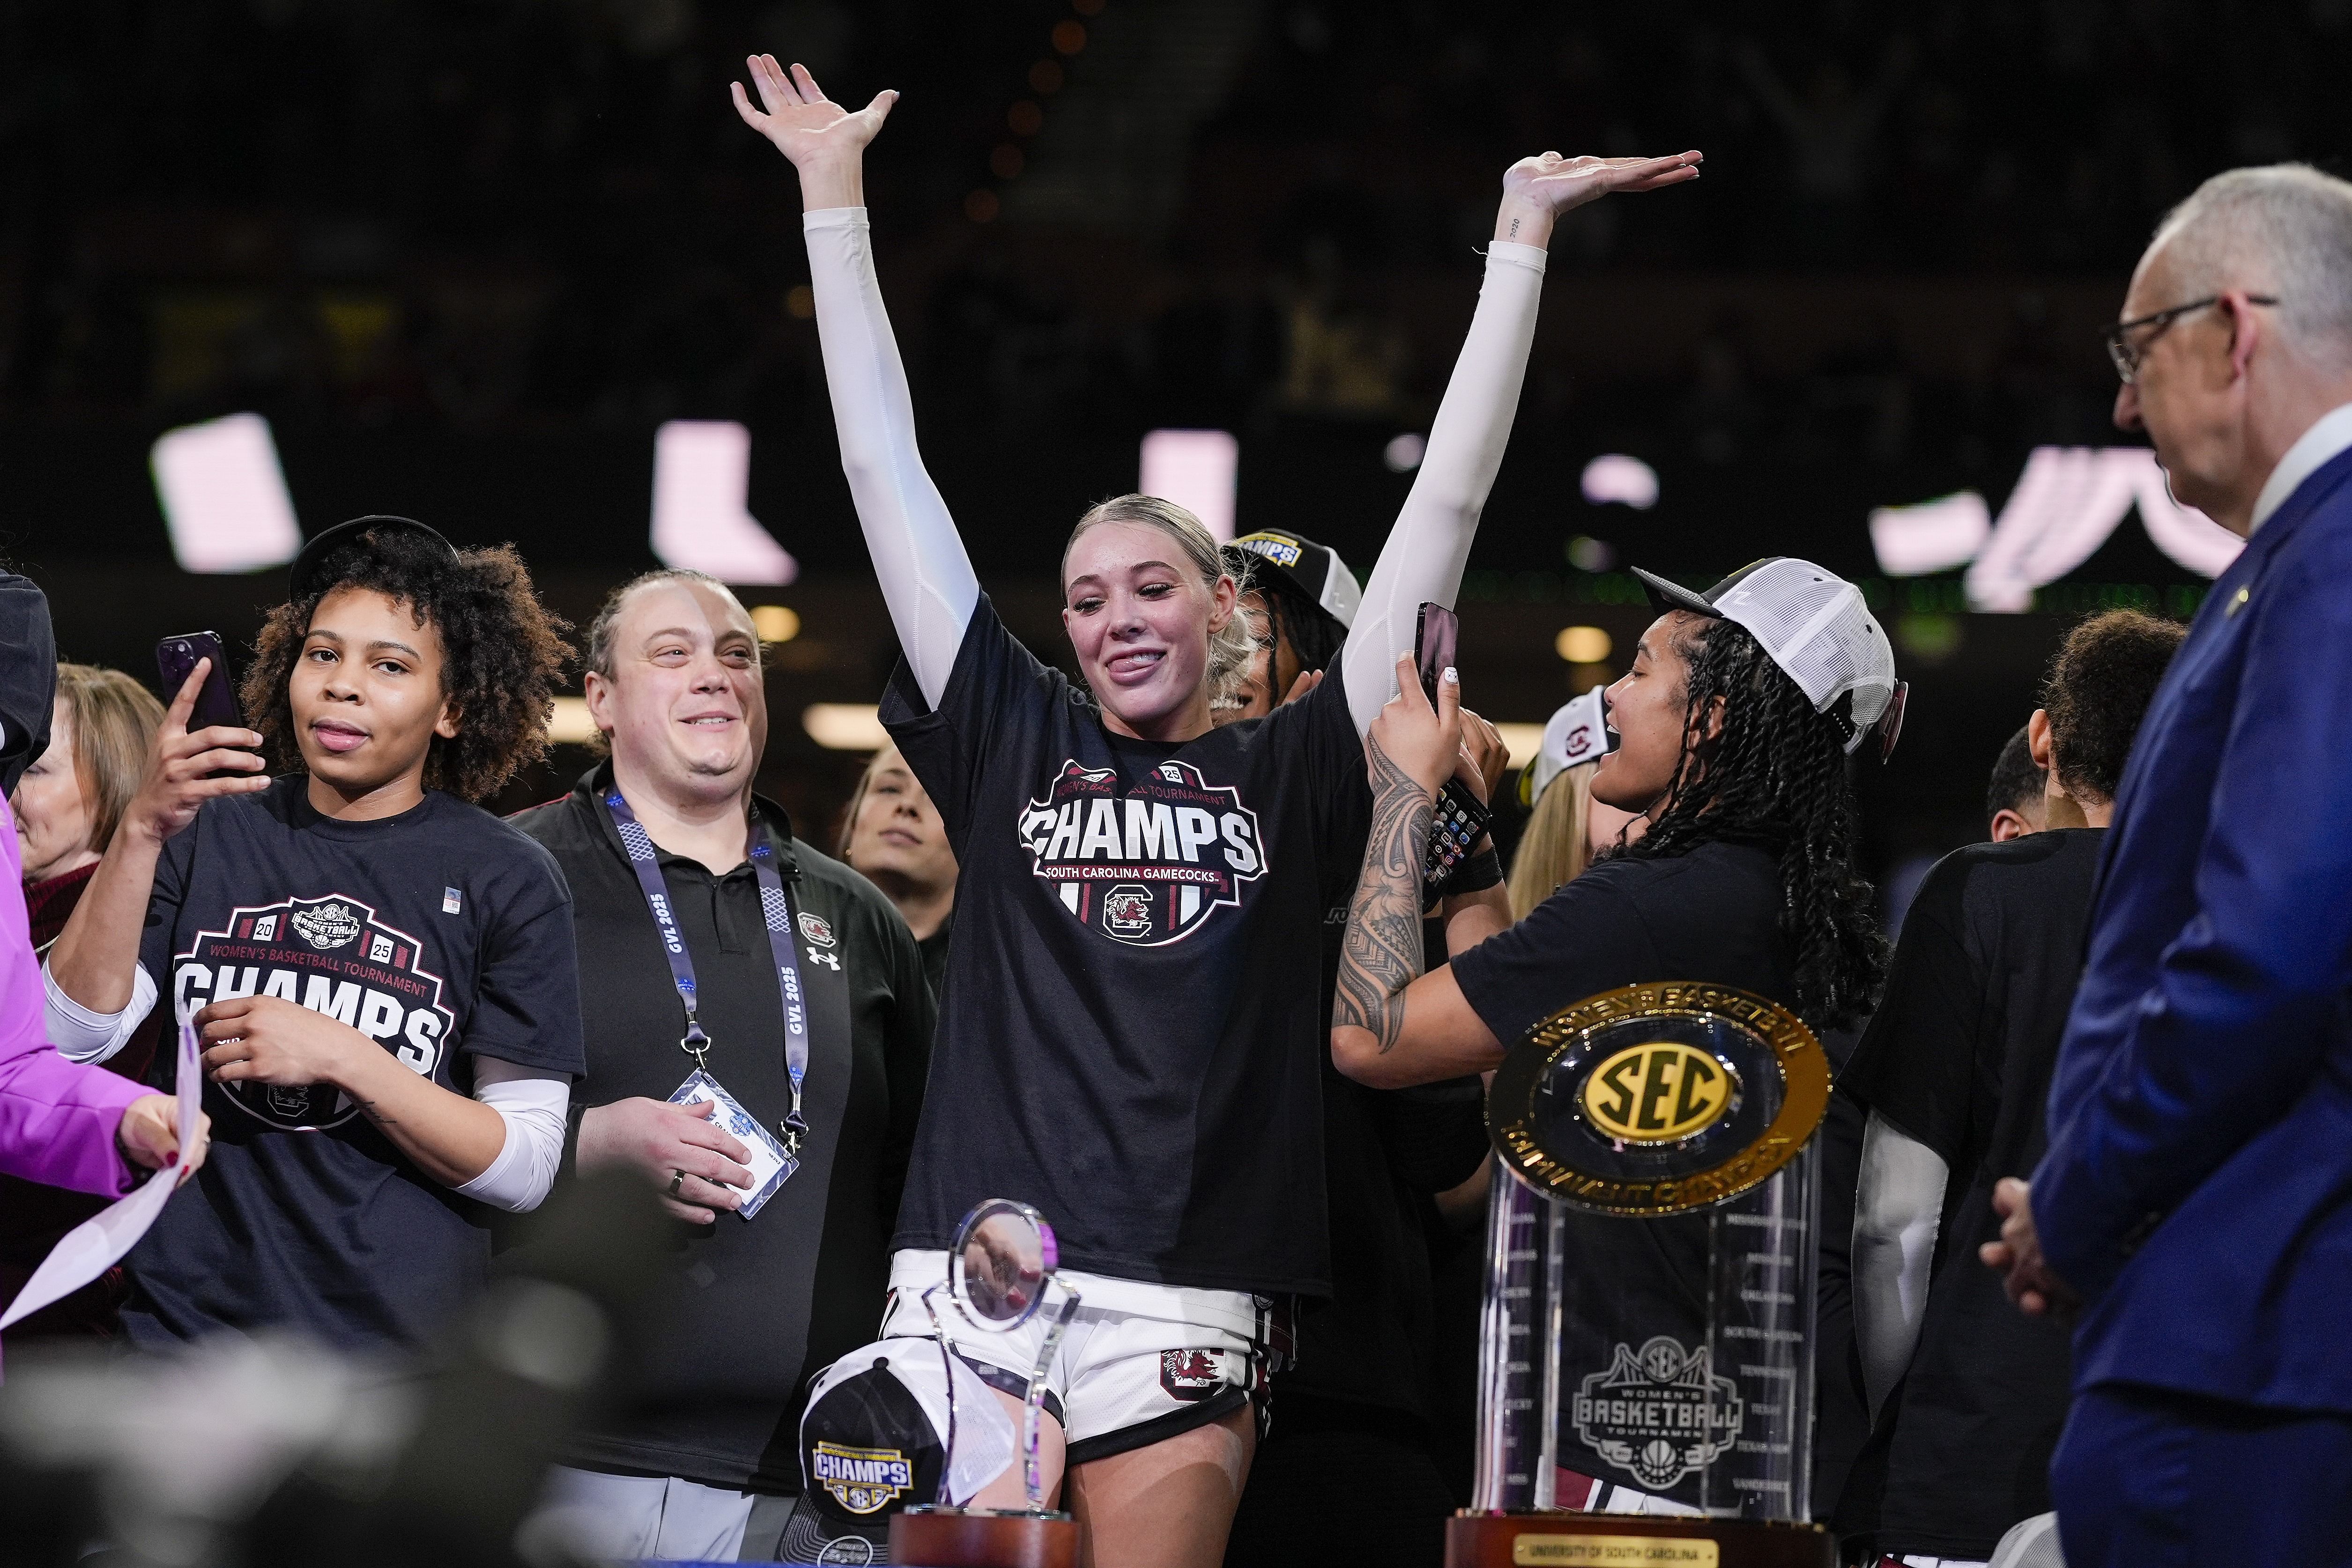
x=1775 y=775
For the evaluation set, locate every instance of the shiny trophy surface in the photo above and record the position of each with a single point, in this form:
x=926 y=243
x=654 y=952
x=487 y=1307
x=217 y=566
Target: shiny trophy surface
x=1647 y=1350
x=1000 y=1272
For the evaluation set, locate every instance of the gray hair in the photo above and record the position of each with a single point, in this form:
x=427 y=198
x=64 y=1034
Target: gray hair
x=2285 y=228
x=1231 y=646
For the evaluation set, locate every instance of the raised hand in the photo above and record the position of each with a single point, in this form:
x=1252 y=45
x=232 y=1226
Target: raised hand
x=1537 y=190
x=177 y=782
x=824 y=141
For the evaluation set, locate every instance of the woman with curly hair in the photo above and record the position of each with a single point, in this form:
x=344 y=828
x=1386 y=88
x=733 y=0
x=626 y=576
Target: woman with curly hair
x=383 y=973
x=1736 y=722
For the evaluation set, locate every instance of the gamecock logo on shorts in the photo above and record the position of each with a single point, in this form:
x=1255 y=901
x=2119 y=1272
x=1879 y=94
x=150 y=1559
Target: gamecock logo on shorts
x=1147 y=865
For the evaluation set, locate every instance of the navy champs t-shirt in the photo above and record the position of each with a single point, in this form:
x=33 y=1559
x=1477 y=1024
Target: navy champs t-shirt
x=441 y=934
x=1132 y=1025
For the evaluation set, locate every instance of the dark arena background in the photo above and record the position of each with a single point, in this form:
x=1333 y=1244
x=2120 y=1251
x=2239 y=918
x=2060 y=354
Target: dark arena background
x=478 y=262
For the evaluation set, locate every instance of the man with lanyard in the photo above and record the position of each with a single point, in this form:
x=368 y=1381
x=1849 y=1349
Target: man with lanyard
x=759 y=1031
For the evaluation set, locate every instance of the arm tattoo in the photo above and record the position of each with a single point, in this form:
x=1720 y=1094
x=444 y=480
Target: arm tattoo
x=1383 y=952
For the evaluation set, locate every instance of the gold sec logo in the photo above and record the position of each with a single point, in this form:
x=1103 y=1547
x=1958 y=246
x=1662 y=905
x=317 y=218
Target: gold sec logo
x=1659 y=1092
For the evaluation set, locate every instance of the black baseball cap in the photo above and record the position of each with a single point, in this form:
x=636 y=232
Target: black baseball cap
x=1315 y=572
x=308 y=575
x=28 y=677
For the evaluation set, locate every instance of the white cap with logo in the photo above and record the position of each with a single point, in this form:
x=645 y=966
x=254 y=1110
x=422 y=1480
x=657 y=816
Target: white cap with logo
x=1814 y=625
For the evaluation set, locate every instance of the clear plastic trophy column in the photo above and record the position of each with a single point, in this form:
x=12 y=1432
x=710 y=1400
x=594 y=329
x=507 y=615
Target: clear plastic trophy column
x=1000 y=1272
x=1647 y=1350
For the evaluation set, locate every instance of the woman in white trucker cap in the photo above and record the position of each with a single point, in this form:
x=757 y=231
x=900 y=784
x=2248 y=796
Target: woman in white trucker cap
x=1734 y=728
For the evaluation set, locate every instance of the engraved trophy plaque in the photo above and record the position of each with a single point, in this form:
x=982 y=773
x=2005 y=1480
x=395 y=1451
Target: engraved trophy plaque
x=1000 y=1274
x=1646 y=1349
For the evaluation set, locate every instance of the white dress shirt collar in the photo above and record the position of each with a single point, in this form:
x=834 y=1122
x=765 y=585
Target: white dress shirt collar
x=2328 y=436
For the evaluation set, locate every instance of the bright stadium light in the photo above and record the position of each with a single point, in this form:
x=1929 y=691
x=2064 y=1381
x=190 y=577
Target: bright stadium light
x=845 y=727
x=1628 y=481
x=702 y=473
x=1933 y=536
x=1195 y=469
x=224 y=496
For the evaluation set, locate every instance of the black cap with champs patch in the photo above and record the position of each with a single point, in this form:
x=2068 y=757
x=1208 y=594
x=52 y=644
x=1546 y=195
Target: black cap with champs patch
x=1315 y=570
x=310 y=570
x=1814 y=625
x=869 y=1445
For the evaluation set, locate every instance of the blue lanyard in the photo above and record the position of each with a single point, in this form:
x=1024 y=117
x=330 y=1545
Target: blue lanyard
x=775 y=909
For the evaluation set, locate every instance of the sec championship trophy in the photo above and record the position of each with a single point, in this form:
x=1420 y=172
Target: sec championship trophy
x=1646 y=1355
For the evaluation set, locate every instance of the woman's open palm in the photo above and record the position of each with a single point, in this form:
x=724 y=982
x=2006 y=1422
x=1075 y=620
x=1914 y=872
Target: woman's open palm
x=1560 y=183
x=803 y=123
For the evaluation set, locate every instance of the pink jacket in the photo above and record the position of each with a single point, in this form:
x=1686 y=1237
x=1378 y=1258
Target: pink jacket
x=57 y=1118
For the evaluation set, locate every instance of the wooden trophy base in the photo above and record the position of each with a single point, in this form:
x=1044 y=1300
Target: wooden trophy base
x=983 y=1538
x=1566 y=1540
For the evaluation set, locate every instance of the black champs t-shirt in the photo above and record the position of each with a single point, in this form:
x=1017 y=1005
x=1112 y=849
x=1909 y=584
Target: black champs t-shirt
x=441 y=934
x=1959 y=1056
x=1130 y=1033
x=1711 y=914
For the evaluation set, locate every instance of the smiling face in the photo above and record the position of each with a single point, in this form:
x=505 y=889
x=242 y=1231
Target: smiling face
x=1139 y=618
x=897 y=837
x=684 y=706
x=52 y=810
x=366 y=695
x=1253 y=695
x=1647 y=707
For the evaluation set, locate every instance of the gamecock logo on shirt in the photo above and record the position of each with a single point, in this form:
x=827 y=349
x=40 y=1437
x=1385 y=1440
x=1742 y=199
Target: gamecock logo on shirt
x=329 y=954
x=1146 y=866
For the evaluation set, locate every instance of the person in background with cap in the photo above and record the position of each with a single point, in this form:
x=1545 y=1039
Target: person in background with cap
x=2196 y=1200
x=1567 y=829
x=771 y=1273
x=1967 y=1396
x=62 y=1124
x=382 y=973
x=1735 y=724
x=1356 y=1398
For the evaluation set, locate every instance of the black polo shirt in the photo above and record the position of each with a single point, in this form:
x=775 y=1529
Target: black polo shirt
x=759 y=1306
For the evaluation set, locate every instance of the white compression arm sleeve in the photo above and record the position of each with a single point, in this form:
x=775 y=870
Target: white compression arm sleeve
x=531 y=1102
x=81 y=1035
x=927 y=578
x=1897 y=1207
x=1424 y=557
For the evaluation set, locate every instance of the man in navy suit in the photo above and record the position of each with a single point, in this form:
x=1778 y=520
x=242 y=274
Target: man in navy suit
x=2195 y=1205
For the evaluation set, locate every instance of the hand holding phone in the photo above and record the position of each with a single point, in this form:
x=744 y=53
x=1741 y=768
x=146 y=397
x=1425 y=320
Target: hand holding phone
x=1461 y=817
x=203 y=749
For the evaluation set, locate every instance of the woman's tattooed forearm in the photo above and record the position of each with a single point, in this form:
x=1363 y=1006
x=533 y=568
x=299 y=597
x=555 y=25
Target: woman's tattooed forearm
x=1382 y=951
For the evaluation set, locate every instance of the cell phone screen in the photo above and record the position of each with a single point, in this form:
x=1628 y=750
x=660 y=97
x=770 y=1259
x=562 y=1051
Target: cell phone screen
x=216 y=699
x=1433 y=640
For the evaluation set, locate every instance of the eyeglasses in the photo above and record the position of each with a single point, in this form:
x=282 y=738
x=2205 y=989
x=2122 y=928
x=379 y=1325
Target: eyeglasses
x=2127 y=354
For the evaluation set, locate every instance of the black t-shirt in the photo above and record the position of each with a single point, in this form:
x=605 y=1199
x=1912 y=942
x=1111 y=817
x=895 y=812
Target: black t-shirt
x=754 y=1308
x=1130 y=1039
x=443 y=934
x=1959 y=1057
x=1711 y=914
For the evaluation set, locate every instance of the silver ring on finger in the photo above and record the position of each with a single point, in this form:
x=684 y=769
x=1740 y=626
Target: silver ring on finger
x=676 y=1179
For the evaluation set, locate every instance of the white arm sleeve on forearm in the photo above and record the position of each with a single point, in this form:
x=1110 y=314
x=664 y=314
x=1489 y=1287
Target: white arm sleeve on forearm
x=1424 y=557
x=927 y=578
x=1896 y=1210
x=531 y=1102
x=81 y=1035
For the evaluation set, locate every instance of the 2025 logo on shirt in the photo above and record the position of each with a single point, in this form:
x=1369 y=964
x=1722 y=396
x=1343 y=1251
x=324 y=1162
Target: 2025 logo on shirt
x=332 y=955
